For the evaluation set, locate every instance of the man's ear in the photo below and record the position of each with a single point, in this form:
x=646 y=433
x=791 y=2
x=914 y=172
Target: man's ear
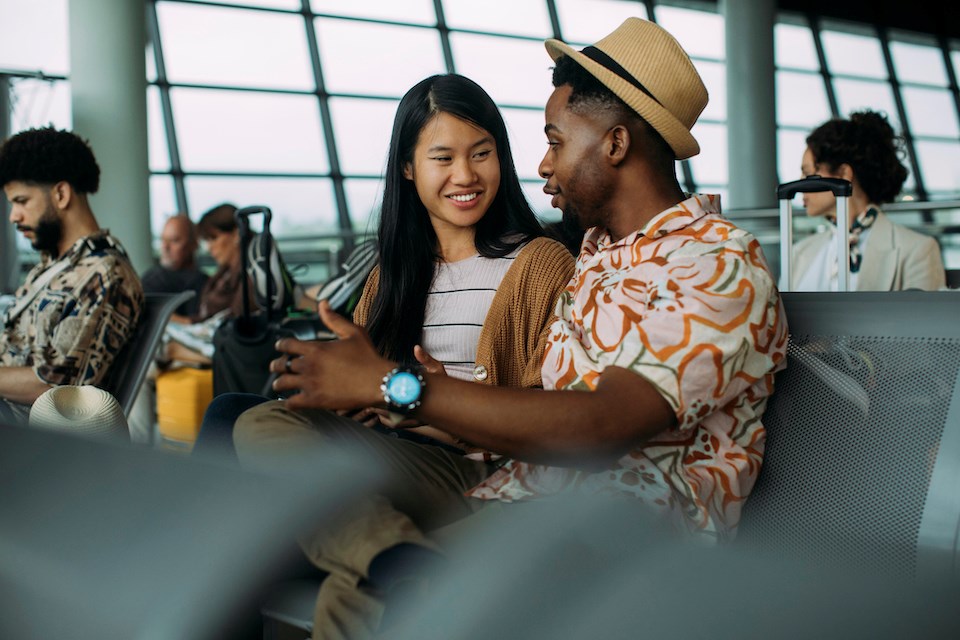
x=62 y=195
x=618 y=144
x=408 y=171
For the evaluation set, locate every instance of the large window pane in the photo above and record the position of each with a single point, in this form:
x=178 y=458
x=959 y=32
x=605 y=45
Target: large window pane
x=855 y=95
x=586 y=21
x=794 y=48
x=156 y=132
x=931 y=112
x=940 y=164
x=362 y=129
x=854 y=55
x=39 y=103
x=400 y=57
x=163 y=202
x=918 y=63
x=364 y=198
x=527 y=140
x=955 y=59
x=300 y=206
x=246 y=131
x=699 y=33
x=540 y=201
x=415 y=11
x=710 y=165
x=714 y=76
x=520 y=17
x=801 y=99
x=512 y=71
x=234 y=47
x=150 y=63
x=33 y=36
x=790 y=148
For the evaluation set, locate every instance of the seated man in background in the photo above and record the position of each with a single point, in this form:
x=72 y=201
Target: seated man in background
x=655 y=375
x=177 y=270
x=80 y=304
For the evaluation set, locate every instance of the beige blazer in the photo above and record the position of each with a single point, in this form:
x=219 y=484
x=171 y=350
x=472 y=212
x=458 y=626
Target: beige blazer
x=894 y=258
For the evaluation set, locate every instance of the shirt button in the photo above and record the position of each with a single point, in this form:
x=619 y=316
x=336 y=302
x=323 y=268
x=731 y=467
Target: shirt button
x=480 y=372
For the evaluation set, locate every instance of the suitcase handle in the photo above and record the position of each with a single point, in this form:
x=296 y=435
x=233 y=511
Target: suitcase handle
x=842 y=189
x=241 y=216
x=813 y=184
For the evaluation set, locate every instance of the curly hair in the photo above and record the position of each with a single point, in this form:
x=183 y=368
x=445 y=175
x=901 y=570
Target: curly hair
x=48 y=156
x=589 y=95
x=869 y=145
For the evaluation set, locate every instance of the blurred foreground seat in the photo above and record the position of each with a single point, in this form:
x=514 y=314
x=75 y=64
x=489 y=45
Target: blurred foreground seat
x=104 y=541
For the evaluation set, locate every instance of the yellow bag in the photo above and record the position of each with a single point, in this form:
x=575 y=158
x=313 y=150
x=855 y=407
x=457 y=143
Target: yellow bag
x=182 y=398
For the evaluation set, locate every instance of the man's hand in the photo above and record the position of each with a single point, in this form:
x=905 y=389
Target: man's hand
x=336 y=374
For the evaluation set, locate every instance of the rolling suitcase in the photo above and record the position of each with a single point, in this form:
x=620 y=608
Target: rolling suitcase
x=842 y=189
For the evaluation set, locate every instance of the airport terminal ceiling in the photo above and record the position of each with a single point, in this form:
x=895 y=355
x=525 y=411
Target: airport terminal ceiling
x=937 y=17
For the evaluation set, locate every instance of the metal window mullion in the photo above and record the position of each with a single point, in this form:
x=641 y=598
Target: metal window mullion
x=343 y=211
x=884 y=38
x=951 y=73
x=163 y=86
x=824 y=67
x=689 y=184
x=554 y=20
x=444 y=37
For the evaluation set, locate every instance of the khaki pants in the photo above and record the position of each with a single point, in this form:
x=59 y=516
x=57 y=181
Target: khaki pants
x=424 y=492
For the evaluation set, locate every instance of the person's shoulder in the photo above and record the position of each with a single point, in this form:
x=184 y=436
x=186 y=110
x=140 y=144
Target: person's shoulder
x=905 y=236
x=543 y=249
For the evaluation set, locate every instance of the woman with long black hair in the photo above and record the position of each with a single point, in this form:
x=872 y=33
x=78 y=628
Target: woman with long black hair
x=466 y=279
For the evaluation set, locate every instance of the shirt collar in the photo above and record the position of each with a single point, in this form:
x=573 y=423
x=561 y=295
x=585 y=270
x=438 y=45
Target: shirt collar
x=76 y=250
x=677 y=217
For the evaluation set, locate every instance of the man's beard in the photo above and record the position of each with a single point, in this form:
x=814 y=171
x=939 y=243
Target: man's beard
x=48 y=233
x=587 y=194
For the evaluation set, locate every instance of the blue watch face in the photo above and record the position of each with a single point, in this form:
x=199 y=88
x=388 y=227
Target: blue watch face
x=404 y=387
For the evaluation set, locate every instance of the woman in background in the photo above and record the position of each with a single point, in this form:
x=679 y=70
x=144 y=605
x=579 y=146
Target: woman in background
x=884 y=256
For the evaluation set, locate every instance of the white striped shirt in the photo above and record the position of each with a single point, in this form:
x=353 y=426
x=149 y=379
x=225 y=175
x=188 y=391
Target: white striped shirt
x=457 y=304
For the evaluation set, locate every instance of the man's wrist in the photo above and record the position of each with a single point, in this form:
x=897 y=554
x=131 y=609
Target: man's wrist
x=402 y=388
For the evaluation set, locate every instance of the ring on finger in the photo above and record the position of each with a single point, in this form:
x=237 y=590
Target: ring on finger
x=288 y=364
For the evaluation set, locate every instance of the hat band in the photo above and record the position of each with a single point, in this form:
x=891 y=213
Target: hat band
x=612 y=65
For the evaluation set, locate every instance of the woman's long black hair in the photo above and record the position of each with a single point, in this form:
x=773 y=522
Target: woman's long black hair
x=407 y=243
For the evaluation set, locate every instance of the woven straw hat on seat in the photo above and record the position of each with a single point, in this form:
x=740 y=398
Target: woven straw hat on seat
x=648 y=69
x=83 y=410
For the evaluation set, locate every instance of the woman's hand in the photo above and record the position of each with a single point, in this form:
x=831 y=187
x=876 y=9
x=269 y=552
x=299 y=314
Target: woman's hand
x=430 y=364
x=335 y=374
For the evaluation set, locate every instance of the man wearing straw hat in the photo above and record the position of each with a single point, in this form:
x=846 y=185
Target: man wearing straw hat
x=80 y=304
x=656 y=372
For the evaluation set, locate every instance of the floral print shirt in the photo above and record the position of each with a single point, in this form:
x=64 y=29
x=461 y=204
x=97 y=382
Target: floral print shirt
x=73 y=327
x=689 y=304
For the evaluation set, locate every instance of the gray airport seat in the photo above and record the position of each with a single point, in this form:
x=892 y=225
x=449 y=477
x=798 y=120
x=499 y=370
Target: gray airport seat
x=129 y=368
x=862 y=465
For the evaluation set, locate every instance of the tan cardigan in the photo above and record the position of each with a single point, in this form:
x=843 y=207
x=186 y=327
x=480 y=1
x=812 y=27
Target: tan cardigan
x=515 y=331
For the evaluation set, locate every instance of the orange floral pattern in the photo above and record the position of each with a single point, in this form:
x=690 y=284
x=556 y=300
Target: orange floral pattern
x=689 y=303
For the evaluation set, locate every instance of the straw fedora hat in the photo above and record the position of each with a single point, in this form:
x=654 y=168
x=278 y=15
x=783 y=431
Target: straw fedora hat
x=646 y=68
x=83 y=410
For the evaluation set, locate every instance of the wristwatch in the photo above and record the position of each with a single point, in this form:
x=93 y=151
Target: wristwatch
x=403 y=388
